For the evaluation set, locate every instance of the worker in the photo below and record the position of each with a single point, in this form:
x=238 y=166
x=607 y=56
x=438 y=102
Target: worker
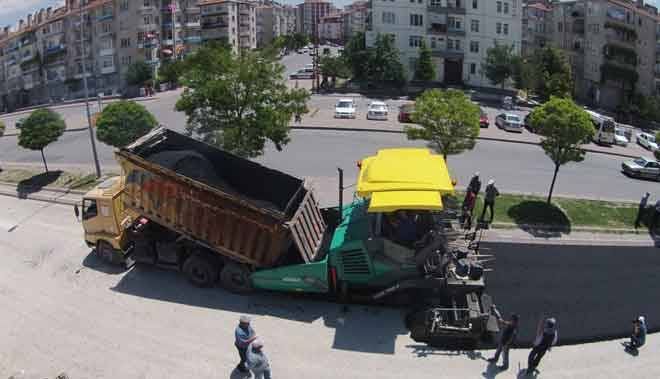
x=244 y=336
x=546 y=337
x=257 y=361
x=468 y=207
x=656 y=216
x=475 y=184
x=491 y=193
x=406 y=229
x=507 y=338
x=638 y=337
x=642 y=209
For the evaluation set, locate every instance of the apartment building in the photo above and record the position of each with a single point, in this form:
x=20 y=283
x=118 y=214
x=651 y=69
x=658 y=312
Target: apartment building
x=611 y=45
x=331 y=28
x=355 y=18
x=310 y=14
x=274 y=20
x=458 y=33
x=657 y=60
x=536 y=25
x=231 y=22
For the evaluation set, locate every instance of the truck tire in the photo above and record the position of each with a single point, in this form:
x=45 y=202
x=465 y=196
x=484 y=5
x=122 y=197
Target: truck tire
x=236 y=278
x=200 y=270
x=106 y=253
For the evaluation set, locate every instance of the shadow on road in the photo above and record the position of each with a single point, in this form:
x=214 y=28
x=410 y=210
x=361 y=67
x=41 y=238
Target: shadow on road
x=530 y=213
x=92 y=261
x=421 y=350
x=36 y=183
x=357 y=327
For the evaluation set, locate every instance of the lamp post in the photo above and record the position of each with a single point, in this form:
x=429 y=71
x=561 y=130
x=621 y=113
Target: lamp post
x=89 y=116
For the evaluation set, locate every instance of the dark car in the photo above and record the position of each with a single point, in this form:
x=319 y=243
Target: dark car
x=483 y=119
x=528 y=125
x=406 y=111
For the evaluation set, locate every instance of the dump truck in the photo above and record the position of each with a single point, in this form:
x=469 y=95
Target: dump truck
x=183 y=204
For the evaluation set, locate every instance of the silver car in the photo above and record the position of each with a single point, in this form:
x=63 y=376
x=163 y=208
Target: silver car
x=509 y=122
x=642 y=167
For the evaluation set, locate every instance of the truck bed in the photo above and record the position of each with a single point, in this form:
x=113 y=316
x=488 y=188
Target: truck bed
x=231 y=205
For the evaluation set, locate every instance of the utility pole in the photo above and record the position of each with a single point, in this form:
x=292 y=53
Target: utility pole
x=84 y=74
x=173 y=9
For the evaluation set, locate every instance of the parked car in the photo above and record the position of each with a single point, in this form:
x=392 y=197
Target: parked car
x=620 y=137
x=302 y=74
x=405 y=112
x=509 y=122
x=377 y=110
x=527 y=124
x=647 y=141
x=345 y=108
x=642 y=167
x=483 y=119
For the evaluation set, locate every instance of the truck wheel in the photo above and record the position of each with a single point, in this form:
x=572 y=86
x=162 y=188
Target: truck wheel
x=106 y=252
x=236 y=278
x=201 y=271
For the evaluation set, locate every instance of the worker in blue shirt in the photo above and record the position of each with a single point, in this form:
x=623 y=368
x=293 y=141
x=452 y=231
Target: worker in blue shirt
x=244 y=335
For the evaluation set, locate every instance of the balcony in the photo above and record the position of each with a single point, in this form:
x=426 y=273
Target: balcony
x=148 y=27
x=27 y=58
x=215 y=25
x=169 y=42
x=53 y=50
x=147 y=45
x=456 y=32
x=193 y=39
x=107 y=52
x=193 y=10
x=168 y=24
x=81 y=75
x=104 y=17
x=438 y=29
x=152 y=62
x=148 y=9
x=447 y=53
x=618 y=38
x=108 y=70
x=218 y=12
x=11 y=49
x=193 y=24
x=446 y=10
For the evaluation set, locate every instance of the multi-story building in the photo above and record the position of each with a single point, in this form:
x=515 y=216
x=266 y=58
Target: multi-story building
x=274 y=20
x=331 y=28
x=536 y=25
x=657 y=61
x=458 y=33
x=611 y=45
x=229 y=21
x=310 y=14
x=355 y=18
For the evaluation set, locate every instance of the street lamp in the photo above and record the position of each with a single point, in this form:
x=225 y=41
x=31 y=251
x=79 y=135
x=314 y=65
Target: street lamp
x=89 y=116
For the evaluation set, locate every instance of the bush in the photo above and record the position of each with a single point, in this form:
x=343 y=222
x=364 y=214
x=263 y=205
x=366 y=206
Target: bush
x=123 y=122
x=41 y=128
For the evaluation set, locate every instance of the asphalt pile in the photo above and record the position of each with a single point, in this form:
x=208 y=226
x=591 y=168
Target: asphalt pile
x=593 y=292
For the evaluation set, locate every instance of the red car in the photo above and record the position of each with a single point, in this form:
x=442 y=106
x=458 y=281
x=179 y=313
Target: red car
x=405 y=112
x=483 y=119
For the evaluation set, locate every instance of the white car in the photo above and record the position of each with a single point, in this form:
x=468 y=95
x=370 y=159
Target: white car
x=647 y=141
x=509 y=122
x=345 y=108
x=302 y=74
x=642 y=167
x=377 y=111
x=620 y=137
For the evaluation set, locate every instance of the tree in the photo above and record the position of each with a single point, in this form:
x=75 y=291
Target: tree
x=383 y=63
x=424 y=70
x=564 y=127
x=498 y=66
x=448 y=120
x=356 y=55
x=239 y=101
x=333 y=68
x=553 y=72
x=525 y=76
x=123 y=122
x=139 y=73
x=41 y=128
x=171 y=72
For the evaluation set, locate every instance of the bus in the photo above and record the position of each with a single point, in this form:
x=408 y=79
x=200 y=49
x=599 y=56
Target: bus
x=605 y=127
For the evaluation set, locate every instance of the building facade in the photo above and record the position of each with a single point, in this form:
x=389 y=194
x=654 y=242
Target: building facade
x=611 y=47
x=310 y=14
x=231 y=22
x=458 y=33
x=274 y=20
x=331 y=28
x=355 y=18
x=536 y=26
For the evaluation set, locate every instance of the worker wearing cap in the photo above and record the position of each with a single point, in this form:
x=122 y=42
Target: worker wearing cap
x=507 y=338
x=257 y=361
x=491 y=192
x=546 y=337
x=475 y=184
x=638 y=337
x=244 y=335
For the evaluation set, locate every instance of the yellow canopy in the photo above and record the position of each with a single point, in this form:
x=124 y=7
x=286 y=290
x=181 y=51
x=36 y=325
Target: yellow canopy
x=405 y=178
x=390 y=201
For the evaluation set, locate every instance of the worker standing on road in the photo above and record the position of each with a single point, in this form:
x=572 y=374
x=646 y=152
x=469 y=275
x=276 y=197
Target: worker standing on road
x=491 y=193
x=244 y=335
x=507 y=338
x=475 y=184
x=638 y=337
x=656 y=215
x=257 y=361
x=546 y=337
x=642 y=209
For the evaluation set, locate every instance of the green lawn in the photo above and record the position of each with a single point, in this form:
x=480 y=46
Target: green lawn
x=58 y=179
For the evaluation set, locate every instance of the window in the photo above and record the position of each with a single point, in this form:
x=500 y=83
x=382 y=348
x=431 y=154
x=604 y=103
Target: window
x=473 y=68
x=416 y=20
x=126 y=60
x=559 y=27
x=506 y=29
x=454 y=23
x=474 y=26
x=125 y=42
x=506 y=8
x=498 y=28
x=433 y=42
x=474 y=4
x=124 y=5
x=147 y=19
x=499 y=7
x=90 y=209
x=474 y=46
x=415 y=41
x=389 y=18
x=450 y=44
x=457 y=44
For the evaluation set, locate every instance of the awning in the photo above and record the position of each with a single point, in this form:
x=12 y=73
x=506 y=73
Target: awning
x=391 y=201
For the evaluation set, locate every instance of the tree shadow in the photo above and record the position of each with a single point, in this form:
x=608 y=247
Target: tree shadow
x=540 y=219
x=36 y=183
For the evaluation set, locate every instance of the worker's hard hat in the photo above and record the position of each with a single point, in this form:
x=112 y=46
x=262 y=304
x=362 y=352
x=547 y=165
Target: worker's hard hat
x=476 y=174
x=491 y=181
x=258 y=343
x=640 y=319
x=245 y=319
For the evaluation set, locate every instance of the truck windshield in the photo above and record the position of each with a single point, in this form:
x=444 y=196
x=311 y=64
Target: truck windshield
x=90 y=209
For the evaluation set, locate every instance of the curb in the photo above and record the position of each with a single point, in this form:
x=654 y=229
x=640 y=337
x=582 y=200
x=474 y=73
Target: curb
x=55 y=200
x=45 y=188
x=548 y=228
x=71 y=104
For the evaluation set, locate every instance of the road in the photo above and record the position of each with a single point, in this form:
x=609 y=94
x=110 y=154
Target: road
x=64 y=311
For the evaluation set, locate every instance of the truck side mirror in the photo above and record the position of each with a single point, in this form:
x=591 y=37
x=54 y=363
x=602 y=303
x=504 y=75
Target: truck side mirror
x=76 y=210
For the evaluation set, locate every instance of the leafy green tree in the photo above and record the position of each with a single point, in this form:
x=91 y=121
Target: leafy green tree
x=139 y=73
x=239 y=101
x=424 y=70
x=357 y=56
x=564 y=127
x=171 y=72
x=383 y=64
x=448 y=120
x=525 y=75
x=41 y=128
x=553 y=72
x=498 y=66
x=123 y=122
x=333 y=68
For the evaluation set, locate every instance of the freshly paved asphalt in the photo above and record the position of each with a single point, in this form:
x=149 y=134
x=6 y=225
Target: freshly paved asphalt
x=593 y=292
